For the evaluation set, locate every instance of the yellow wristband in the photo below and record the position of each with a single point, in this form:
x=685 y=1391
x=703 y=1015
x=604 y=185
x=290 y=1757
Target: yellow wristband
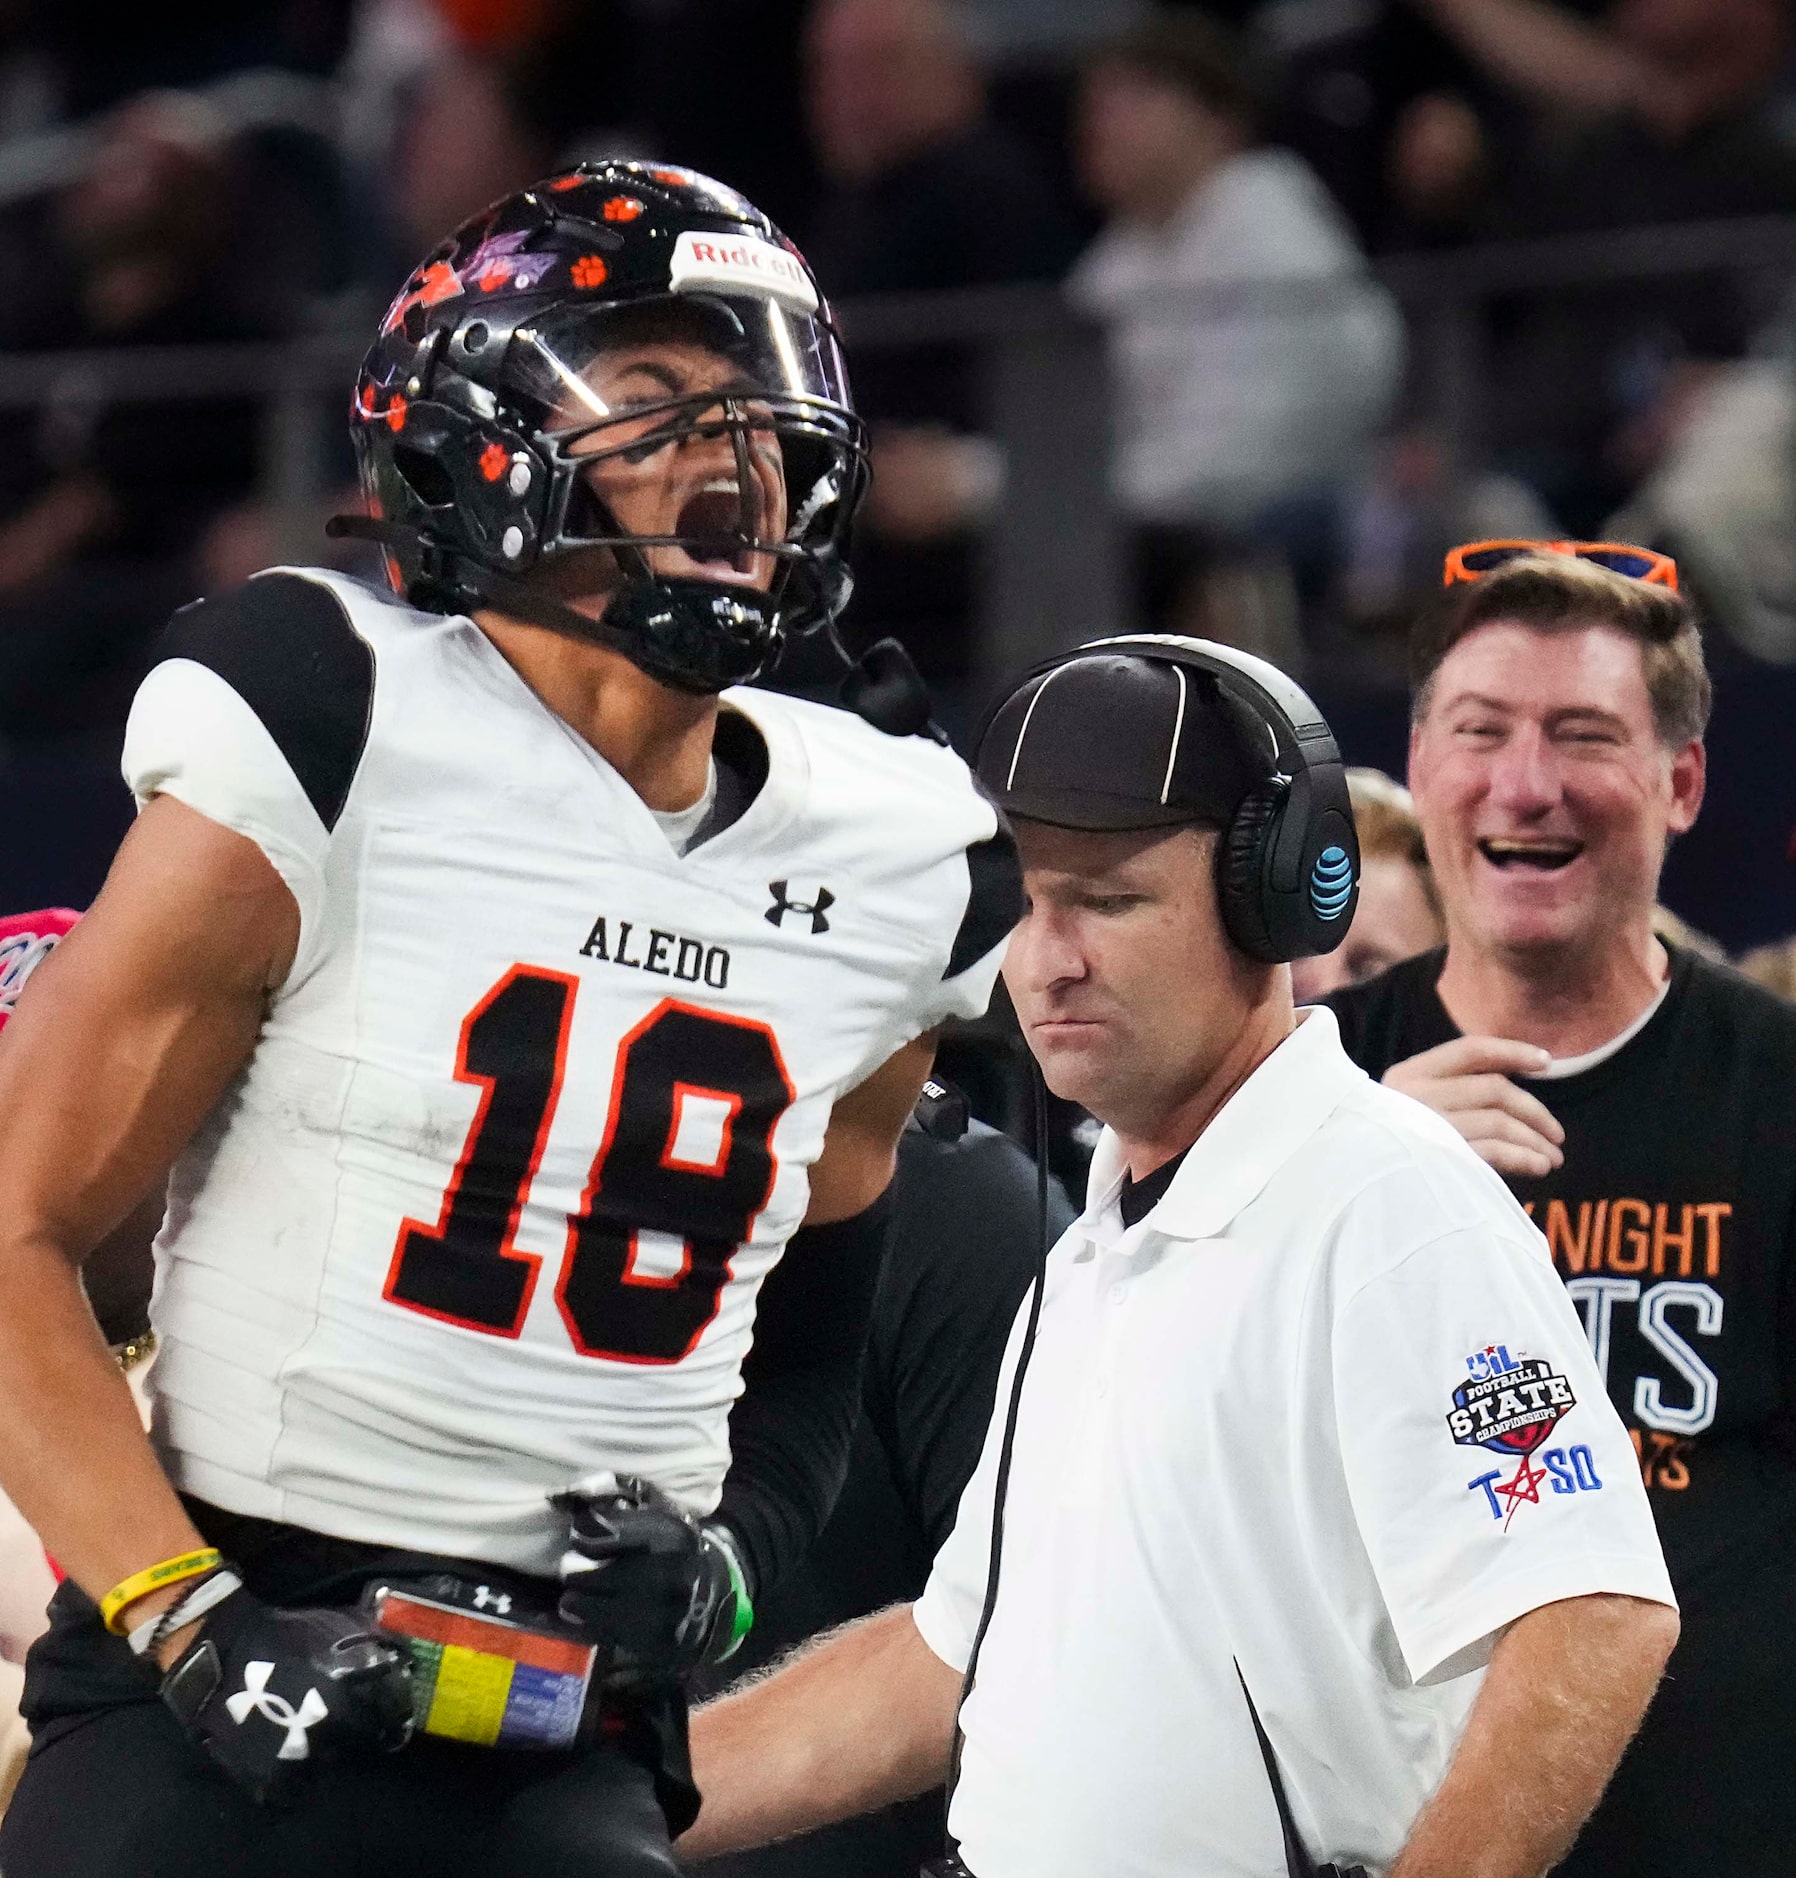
x=140 y=1584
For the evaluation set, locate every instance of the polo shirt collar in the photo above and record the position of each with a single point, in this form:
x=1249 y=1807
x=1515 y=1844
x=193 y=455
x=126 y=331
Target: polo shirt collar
x=1255 y=1132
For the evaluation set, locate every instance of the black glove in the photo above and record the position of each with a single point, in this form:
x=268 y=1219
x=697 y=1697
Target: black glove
x=658 y=1591
x=269 y=1694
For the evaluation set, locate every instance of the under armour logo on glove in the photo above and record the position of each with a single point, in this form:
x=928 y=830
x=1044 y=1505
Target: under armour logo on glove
x=254 y=1695
x=321 y=1681
x=783 y=904
x=500 y=1601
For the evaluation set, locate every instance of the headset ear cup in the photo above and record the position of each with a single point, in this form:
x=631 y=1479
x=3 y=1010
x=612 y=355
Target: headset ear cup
x=1241 y=874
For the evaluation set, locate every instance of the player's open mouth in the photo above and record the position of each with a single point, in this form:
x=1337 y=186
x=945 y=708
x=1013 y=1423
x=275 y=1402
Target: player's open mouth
x=1546 y=856
x=712 y=522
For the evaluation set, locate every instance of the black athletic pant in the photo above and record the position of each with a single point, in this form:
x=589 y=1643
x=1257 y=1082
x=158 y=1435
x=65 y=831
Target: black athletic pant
x=114 y=1789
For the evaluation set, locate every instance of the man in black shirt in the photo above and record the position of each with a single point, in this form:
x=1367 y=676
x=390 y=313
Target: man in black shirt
x=966 y=1241
x=1555 y=749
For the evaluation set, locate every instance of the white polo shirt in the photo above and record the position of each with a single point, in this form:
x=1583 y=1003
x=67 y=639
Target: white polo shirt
x=1326 y=1410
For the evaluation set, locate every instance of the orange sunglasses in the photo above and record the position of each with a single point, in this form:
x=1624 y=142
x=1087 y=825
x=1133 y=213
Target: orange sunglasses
x=1472 y=559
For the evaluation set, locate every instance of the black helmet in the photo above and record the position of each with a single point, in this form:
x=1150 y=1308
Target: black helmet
x=506 y=406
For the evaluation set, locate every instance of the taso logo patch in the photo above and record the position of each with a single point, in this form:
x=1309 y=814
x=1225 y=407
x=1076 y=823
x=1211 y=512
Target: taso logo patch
x=1509 y=1406
x=740 y=264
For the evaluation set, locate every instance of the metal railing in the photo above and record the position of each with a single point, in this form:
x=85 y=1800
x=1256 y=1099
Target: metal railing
x=262 y=99
x=1052 y=564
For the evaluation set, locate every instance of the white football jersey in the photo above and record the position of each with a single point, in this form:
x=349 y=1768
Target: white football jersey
x=530 y=1119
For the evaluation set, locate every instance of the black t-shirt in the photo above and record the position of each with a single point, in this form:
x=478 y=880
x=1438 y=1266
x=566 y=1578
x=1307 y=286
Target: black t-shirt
x=1138 y=1198
x=965 y=1245
x=1671 y=1221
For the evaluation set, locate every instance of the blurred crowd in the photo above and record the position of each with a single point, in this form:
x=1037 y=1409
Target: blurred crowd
x=1255 y=203
x=1371 y=277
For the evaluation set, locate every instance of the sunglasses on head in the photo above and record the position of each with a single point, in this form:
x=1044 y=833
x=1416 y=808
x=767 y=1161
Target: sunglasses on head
x=1473 y=559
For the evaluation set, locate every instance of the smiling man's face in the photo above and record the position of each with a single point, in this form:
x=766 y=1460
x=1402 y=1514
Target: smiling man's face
x=1545 y=793
x=656 y=475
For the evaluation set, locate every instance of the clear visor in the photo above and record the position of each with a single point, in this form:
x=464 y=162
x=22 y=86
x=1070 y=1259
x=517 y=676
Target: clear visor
x=720 y=423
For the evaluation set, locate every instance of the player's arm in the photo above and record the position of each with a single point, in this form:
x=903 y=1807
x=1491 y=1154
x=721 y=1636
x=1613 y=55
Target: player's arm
x=638 y=1568
x=856 y=1720
x=1565 y=1691
x=860 y=1151
x=793 y=1427
x=132 y=1030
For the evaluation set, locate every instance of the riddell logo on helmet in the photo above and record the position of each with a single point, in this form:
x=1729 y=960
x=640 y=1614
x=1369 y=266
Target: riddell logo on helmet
x=740 y=264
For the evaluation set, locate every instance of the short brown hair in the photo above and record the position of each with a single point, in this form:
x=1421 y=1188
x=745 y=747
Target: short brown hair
x=1185 y=47
x=1385 y=820
x=1560 y=593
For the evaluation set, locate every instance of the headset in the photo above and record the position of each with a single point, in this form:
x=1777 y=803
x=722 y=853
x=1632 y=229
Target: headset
x=1287 y=867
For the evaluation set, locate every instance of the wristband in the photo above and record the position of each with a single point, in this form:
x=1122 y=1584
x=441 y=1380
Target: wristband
x=742 y=1617
x=187 y=1609
x=140 y=1584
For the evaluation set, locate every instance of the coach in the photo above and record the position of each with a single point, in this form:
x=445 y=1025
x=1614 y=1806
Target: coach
x=1309 y=1429
x=1642 y=1102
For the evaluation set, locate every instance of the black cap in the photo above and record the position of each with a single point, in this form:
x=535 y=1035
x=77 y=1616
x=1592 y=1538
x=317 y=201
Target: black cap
x=1115 y=741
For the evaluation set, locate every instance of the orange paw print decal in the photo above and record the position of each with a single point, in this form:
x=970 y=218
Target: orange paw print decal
x=493 y=460
x=589 y=271
x=622 y=209
x=396 y=413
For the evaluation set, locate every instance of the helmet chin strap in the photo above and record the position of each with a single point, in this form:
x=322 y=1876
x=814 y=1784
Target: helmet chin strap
x=667 y=626
x=882 y=686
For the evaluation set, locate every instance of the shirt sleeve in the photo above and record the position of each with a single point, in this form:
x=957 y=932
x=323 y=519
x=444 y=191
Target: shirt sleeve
x=257 y=716
x=1489 y=1473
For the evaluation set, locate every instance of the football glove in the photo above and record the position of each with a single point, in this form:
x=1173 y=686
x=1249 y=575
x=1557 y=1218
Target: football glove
x=656 y=1590
x=269 y=1694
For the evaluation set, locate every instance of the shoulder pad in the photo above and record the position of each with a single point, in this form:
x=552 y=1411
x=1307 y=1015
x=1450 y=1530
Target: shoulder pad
x=884 y=688
x=287 y=647
x=994 y=898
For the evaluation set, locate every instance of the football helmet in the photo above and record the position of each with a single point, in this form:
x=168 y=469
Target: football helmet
x=625 y=382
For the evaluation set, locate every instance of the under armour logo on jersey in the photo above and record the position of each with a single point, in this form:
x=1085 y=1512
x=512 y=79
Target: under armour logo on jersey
x=783 y=904
x=276 y=1708
x=499 y=1600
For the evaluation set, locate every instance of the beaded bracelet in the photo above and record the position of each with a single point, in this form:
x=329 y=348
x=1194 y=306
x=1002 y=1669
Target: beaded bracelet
x=192 y=1605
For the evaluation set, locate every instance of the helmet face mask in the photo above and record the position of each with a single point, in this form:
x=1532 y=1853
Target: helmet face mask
x=699 y=455
x=643 y=436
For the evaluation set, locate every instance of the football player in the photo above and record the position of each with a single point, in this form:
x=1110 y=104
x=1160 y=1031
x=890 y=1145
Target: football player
x=525 y=1011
